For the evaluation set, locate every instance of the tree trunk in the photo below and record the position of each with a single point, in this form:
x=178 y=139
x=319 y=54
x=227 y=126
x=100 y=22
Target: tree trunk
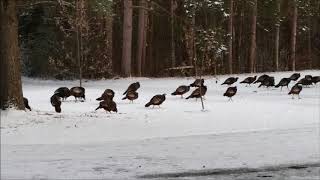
x=127 y=39
x=173 y=51
x=189 y=40
x=309 y=43
x=80 y=23
x=230 y=36
x=144 y=52
x=277 y=38
x=117 y=36
x=10 y=80
x=252 y=55
x=150 y=58
x=240 y=40
x=293 y=35
x=141 y=37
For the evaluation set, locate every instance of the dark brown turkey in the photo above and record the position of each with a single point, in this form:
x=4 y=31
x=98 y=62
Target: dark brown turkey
x=132 y=87
x=315 y=79
x=248 y=80
x=283 y=82
x=295 y=90
x=230 y=92
x=156 y=100
x=295 y=76
x=63 y=92
x=56 y=102
x=230 y=80
x=78 y=93
x=131 y=95
x=261 y=78
x=268 y=82
x=197 y=93
x=26 y=103
x=181 y=90
x=108 y=105
x=107 y=94
x=306 y=81
x=197 y=83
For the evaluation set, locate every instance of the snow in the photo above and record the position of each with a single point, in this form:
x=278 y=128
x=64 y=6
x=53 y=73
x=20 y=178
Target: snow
x=259 y=127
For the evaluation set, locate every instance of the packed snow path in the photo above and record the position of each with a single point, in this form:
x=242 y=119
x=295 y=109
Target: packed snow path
x=260 y=127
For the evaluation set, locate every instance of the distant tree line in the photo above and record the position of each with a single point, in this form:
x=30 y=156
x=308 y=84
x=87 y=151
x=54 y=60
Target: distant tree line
x=105 y=38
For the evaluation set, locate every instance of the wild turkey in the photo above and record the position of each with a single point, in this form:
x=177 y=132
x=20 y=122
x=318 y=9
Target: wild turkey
x=197 y=83
x=231 y=91
x=26 y=103
x=56 y=102
x=308 y=77
x=181 y=90
x=295 y=90
x=63 y=92
x=295 y=76
x=78 y=93
x=268 y=82
x=305 y=81
x=108 y=105
x=230 y=81
x=283 y=82
x=107 y=94
x=261 y=79
x=156 y=100
x=248 y=80
x=315 y=79
x=131 y=95
x=196 y=93
x=133 y=87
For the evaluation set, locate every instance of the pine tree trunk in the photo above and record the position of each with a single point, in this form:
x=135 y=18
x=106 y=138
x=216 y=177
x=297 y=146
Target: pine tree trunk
x=141 y=37
x=240 y=40
x=10 y=80
x=277 y=38
x=145 y=37
x=230 y=36
x=252 y=55
x=173 y=51
x=309 y=43
x=127 y=39
x=117 y=36
x=293 y=35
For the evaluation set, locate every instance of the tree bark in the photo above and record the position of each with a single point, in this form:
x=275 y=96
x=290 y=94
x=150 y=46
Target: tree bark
x=10 y=80
x=309 y=43
x=189 y=39
x=252 y=55
x=127 y=39
x=293 y=35
x=117 y=32
x=173 y=51
x=78 y=39
x=277 y=38
x=141 y=37
x=230 y=36
x=240 y=40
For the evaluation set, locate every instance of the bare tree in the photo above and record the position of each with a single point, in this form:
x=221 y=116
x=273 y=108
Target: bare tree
x=253 y=45
x=10 y=80
x=127 y=39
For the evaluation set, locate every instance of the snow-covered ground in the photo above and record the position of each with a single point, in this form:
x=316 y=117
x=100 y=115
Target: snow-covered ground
x=261 y=127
